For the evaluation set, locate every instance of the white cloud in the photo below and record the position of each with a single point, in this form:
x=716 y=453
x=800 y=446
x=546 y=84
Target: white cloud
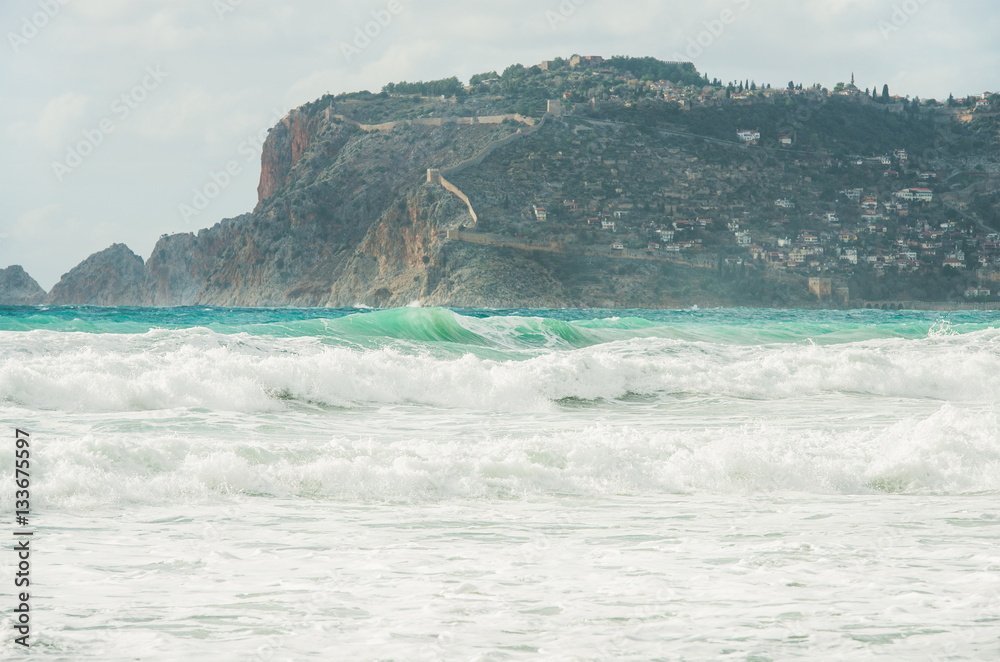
x=103 y=10
x=32 y=219
x=60 y=119
x=51 y=227
x=155 y=27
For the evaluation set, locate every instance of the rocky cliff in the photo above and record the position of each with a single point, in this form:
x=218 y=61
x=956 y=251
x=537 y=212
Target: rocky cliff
x=336 y=200
x=286 y=144
x=113 y=277
x=343 y=216
x=179 y=268
x=651 y=202
x=17 y=288
x=346 y=216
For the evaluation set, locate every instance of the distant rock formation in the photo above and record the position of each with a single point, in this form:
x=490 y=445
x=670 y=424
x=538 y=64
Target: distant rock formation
x=17 y=288
x=179 y=268
x=113 y=277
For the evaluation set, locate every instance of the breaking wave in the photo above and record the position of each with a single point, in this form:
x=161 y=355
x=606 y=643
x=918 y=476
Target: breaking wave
x=438 y=358
x=418 y=403
x=952 y=451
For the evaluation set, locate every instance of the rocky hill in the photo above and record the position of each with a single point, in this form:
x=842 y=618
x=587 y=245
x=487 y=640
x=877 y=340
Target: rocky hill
x=179 y=268
x=619 y=183
x=17 y=288
x=114 y=277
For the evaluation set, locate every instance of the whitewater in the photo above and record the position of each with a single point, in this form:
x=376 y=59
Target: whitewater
x=433 y=484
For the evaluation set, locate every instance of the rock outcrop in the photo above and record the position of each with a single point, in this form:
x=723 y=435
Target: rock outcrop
x=179 y=268
x=113 y=277
x=334 y=200
x=17 y=288
x=285 y=145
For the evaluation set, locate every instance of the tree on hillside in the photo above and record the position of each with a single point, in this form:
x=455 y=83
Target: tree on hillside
x=885 y=93
x=651 y=69
x=447 y=87
x=479 y=78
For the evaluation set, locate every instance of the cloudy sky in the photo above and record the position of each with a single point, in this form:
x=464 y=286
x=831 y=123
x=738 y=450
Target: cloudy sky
x=114 y=112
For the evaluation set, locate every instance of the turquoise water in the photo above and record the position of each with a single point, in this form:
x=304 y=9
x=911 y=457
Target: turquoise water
x=267 y=484
x=576 y=327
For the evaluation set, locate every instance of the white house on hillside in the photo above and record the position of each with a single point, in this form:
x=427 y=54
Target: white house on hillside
x=918 y=194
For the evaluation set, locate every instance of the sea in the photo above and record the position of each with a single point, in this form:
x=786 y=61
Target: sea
x=490 y=485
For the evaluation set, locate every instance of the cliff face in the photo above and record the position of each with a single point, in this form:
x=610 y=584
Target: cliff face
x=346 y=216
x=114 y=277
x=285 y=145
x=179 y=268
x=332 y=196
x=17 y=288
x=174 y=275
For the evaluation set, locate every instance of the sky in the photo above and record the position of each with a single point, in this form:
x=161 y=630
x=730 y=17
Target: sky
x=116 y=114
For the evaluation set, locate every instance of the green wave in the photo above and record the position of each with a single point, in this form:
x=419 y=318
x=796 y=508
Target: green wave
x=437 y=325
x=485 y=331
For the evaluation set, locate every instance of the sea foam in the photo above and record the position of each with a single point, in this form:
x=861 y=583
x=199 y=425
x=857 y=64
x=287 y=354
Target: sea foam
x=193 y=368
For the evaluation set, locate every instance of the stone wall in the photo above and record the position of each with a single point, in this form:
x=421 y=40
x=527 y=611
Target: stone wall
x=434 y=177
x=701 y=262
x=494 y=146
x=433 y=121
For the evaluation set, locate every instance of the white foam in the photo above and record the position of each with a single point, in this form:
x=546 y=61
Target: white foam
x=951 y=451
x=198 y=497
x=198 y=368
